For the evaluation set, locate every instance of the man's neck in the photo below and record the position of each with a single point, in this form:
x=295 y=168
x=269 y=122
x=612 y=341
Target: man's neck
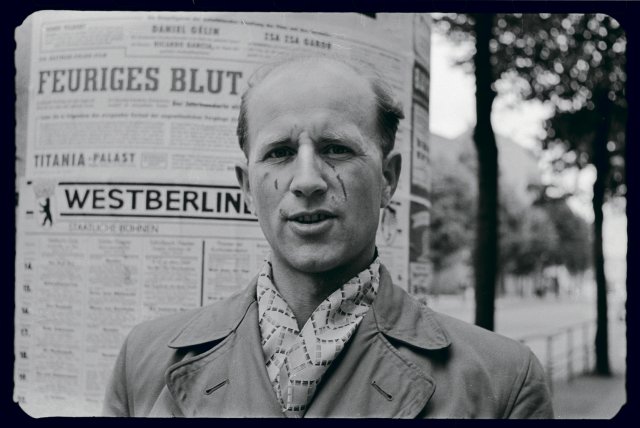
x=304 y=291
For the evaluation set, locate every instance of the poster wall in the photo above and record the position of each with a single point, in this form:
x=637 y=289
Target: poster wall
x=128 y=203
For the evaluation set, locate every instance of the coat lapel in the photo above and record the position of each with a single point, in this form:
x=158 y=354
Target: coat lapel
x=230 y=379
x=372 y=378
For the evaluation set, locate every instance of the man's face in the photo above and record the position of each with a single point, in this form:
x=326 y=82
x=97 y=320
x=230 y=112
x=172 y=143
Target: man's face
x=315 y=175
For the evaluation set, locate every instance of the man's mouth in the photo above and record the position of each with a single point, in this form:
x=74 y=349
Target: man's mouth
x=311 y=218
x=308 y=224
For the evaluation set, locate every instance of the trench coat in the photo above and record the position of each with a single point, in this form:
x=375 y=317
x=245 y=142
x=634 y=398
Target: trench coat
x=403 y=361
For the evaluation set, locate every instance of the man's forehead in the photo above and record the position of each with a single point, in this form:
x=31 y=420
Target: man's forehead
x=308 y=71
x=320 y=128
x=302 y=91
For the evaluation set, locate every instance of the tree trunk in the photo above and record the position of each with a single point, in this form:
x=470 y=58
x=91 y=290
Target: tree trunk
x=601 y=162
x=486 y=248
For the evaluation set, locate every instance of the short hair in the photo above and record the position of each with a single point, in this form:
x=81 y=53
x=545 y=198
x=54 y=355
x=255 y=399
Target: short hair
x=389 y=109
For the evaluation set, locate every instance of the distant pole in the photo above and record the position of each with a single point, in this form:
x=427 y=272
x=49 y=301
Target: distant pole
x=549 y=362
x=586 y=347
x=570 y=354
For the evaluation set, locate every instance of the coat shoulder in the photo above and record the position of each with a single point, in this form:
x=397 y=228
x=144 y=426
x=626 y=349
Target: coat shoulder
x=476 y=341
x=508 y=380
x=192 y=327
x=165 y=327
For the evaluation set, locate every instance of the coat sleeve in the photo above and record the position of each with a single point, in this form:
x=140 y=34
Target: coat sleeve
x=533 y=399
x=116 y=397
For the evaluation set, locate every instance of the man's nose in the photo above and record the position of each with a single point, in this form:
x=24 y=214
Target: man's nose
x=308 y=178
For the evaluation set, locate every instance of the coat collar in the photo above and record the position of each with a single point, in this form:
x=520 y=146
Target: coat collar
x=230 y=378
x=414 y=325
x=215 y=322
x=380 y=379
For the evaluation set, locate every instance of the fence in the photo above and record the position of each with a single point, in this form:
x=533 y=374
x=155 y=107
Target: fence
x=565 y=353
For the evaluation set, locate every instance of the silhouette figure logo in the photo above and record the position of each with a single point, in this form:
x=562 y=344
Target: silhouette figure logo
x=44 y=191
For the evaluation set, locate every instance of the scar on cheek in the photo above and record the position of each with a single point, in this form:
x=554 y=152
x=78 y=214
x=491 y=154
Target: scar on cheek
x=344 y=191
x=275 y=183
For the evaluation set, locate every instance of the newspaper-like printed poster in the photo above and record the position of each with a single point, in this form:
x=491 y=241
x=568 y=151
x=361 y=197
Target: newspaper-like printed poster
x=129 y=207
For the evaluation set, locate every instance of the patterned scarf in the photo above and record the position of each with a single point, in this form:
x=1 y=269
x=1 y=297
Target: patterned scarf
x=296 y=360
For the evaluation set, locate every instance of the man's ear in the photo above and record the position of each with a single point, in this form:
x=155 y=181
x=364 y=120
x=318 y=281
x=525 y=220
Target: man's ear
x=242 y=175
x=391 y=166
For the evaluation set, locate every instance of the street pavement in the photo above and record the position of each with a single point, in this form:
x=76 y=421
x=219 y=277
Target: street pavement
x=585 y=396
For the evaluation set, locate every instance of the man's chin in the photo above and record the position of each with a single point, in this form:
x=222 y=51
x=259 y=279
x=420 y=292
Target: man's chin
x=315 y=264
x=315 y=261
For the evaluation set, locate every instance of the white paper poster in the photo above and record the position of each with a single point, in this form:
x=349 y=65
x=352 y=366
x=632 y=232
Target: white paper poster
x=129 y=207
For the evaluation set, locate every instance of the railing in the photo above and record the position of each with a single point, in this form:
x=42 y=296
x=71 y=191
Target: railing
x=564 y=353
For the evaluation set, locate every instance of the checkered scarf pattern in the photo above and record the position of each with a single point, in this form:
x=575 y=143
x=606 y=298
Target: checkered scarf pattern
x=297 y=359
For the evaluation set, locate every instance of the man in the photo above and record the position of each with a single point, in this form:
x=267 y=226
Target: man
x=321 y=331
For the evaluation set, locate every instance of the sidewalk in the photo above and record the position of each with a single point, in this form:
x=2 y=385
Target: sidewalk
x=595 y=397
x=589 y=397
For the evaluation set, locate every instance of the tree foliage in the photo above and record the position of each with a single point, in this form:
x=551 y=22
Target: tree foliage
x=576 y=63
x=531 y=237
x=452 y=216
x=573 y=234
x=528 y=239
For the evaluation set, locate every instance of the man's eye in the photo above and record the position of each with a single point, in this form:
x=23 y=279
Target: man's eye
x=337 y=149
x=280 y=152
